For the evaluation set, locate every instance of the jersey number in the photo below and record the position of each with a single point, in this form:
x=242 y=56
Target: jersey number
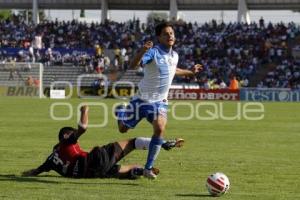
x=57 y=160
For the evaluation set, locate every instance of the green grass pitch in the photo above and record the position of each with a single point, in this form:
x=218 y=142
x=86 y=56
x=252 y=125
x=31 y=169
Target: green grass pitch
x=261 y=158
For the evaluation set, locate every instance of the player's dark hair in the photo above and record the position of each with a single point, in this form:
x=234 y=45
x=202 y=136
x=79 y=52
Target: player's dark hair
x=161 y=26
x=64 y=130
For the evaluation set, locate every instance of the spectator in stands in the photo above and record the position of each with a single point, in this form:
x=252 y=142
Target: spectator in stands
x=31 y=54
x=11 y=75
x=244 y=82
x=98 y=51
x=222 y=85
x=96 y=85
x=37 y=45
x=285 y=75
x=126 y=62
x=29 y=81
x=48 y=57
x=36 y=82
x=234 y=84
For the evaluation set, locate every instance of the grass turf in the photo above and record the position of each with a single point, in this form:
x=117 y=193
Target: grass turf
x=261 y=158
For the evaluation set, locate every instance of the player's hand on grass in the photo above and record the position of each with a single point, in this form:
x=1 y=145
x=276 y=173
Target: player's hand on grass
x=148 y=45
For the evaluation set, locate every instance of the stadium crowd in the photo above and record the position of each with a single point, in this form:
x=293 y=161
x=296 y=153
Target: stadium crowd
x=285 y=75
x=223 y=49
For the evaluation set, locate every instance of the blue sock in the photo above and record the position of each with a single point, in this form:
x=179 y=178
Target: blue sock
x=153 y=151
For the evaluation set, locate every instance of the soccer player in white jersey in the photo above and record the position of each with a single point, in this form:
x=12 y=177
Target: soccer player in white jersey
x=160 y=66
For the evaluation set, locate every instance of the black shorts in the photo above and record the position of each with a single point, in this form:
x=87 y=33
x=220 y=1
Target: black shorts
x=102 y=161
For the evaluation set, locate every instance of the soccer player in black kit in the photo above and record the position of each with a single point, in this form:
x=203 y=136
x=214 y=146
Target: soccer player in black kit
x=69 y=160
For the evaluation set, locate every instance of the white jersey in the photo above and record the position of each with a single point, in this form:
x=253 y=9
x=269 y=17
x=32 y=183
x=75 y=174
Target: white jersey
x=159 y=70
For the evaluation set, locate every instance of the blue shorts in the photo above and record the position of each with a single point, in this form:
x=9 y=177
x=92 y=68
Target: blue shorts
x=139 y=109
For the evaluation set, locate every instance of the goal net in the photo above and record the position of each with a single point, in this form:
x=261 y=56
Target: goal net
x=21 y=79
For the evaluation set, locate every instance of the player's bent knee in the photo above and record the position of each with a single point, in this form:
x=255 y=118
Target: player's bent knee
x=158 y=131
x=160 y=128
x=123 y=129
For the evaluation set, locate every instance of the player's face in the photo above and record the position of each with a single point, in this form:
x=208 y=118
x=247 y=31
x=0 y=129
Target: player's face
x=167 y=37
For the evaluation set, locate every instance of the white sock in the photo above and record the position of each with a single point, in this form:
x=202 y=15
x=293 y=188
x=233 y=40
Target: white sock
x=142 y=143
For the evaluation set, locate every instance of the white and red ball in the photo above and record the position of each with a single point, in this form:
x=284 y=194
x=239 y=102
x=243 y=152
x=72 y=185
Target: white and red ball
x=217 y=184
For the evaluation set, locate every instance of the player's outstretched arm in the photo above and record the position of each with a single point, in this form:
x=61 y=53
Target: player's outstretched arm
x=138 y=57
x=84 y=119
x=184 y=72
x=45 y=167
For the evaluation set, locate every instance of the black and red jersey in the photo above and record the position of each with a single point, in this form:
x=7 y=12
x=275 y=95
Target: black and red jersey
x=67 y=158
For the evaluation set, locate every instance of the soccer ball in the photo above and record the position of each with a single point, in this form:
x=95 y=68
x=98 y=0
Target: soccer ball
x=217 y=184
